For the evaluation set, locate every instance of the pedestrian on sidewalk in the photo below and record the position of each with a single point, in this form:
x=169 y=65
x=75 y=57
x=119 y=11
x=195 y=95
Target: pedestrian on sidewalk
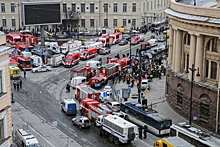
x=140 y=132
x=20 y=83
x=15 y=84
x=24 y=73
x=18 y=86
x=132 y=83
x=67 y=88
x=145 y=131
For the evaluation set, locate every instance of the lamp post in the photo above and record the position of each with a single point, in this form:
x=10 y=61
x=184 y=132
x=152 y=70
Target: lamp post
x=130 y=50
x=139 y=78
x=191 y=90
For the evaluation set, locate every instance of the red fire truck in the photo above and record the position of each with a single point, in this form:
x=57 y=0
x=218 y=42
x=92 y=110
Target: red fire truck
x=116 y=37
x=23 y=47
x=13 y=38
x=106 y=40
x=80 y=71
x=124 y=62
x=28 y=38
x=112 y=60
x=23 y=63
x=98 y=81
x=83 y=92
x=109 y=70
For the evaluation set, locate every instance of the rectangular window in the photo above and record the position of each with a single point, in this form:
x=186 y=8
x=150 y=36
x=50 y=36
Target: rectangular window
x=64 y=8
x=92 y=8
x=74 y=7
x=124 y=7
x=13 y=22
x=147 y=6
x=106 y=7
x=155 y=4
x=2 y=128
x=134 y=7
x=12 y=7
x=164 y=3
x=161 y=3
x=4 y=24
x=179 y=99
x=143 y=7
x=83 y=10
x=158 y=5
x=115 y=22
x=83 y=22
x=92 y=23
x=207 y=68
x=151 y=5
x=133 y=22
x=124 y=22
x=115 y=8
x=204 y=111
x=213 y=70
x=3 y=7
x=215 y=44
x=106 y=23
x=1 y=82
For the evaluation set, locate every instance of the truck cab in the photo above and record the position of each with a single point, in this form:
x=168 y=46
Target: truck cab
x=81 y=121
x=72 y=59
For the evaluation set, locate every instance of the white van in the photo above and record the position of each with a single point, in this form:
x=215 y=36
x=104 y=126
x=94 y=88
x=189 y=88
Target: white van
x=57 y=60
x=26 y=54
x=153 y=42
x=77 y=80
x=36 y=60
x=145 y=84
x=93 y=63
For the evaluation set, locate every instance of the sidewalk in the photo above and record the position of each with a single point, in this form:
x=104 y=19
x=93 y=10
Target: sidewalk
x=155 y=96
x=46 y=133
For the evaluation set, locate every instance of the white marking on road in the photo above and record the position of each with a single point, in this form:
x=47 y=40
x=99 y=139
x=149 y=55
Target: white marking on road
x=145 y=143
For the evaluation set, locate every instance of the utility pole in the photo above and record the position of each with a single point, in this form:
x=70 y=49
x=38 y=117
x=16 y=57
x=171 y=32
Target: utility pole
x=140 y=74
x=19 y=23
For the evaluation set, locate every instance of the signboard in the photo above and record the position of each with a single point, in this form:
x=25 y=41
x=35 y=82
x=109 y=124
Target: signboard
x=125 y=93
x=129 y=89
x=118 y=92
x=26 y=50
x=105 y=94
x=132 y=57
x=16 y=51
x=38 y=48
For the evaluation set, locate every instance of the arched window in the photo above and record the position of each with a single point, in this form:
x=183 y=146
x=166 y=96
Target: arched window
x=215 y=44
x=204 y=106
x=188 y=39
x=213 y=70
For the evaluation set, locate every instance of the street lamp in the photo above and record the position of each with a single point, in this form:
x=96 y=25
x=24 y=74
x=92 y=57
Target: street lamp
x=140 y=74
x=191 y=89
x=130 y=50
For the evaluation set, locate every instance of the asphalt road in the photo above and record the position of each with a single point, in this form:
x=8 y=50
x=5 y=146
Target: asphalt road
x=42 y=94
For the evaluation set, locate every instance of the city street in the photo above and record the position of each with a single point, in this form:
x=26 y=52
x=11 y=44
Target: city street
x=42 y=94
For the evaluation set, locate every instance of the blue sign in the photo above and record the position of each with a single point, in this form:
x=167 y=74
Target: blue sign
x=38 y=48
x=129 y=89
x=118 y=92
x=95 y=55
x=16 y=51
x=97 y=85
x=26 y=50
x=45 y=55
x=105 y=94
x=132 y=57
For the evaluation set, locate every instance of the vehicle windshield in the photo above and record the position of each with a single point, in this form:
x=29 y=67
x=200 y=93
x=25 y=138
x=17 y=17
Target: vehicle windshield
x=144 y=83
x=33 y=145
x=84 y=54
x=122 y=41
x=68 y=60
x=116 y=105
x=133 y=40
x=13 y=64
x=26 y=63
x=17 y=40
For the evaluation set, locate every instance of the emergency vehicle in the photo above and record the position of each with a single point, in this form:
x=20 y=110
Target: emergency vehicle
x=112 y=60
x=97 y=45
x=106 y=40
x=98 y=81
x=83 y=92
x=109 y=70
x=118 y=129
x=13 y=63
x=135 y=40
x=70 y=46
x=80 y=71
x=77 y=80
x=25 y=139
x=88 y=53
x=36 y=60
x=23 y=63
x=93 y=63
x=68 y=106
x=57 y=60
x=28 y=38
x=24 y=47
x=72 y=59
x=117 y=37
x=13 y=39
x=124 y=62
x=15 y=72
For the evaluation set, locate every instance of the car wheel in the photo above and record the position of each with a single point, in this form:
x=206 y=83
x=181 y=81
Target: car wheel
x=80 y=126
x=47 y=70
x=36 y=71
x=111 y=138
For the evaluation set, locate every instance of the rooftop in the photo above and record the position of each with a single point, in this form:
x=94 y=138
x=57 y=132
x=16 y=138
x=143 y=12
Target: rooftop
x=119 y=121
x=202 y=3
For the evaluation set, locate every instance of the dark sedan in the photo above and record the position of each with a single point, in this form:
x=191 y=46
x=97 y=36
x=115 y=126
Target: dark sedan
x=126 y=37
x=123 y=42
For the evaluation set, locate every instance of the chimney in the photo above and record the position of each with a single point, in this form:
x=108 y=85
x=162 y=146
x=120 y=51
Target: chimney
x=218 y=3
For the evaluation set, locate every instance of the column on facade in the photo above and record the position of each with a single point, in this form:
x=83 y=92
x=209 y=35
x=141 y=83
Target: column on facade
x=192 y=53
x=178 y=52
x=174 y=50
x=199 y=57
x=170 y=56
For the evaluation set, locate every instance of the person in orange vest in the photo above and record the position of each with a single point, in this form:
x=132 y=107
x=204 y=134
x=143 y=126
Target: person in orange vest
x=128 y=79
x=141 y=78
x=137 y=83
x=146 y=76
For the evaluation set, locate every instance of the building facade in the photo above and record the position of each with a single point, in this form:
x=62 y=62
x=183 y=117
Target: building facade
x=92 y=14
x=5 y=95
x=194 y=40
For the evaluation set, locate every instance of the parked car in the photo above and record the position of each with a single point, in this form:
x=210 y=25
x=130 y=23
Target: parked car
x=72 y=34
x=123 y=42
x=82 y=32
x=113 y=105
x=126 y=37
x=104 y=50
x=41 y=68
x=161 y=39
x=157 y=50
x=152 y=52
x=108 y=89
x=135 y=31
x=145 y=84
x=81 y=121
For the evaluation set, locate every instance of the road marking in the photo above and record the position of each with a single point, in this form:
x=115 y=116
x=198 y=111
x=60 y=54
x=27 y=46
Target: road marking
x=145 y=143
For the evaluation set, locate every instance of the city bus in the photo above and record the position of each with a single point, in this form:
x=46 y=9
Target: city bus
x=156 y=123
x=194 y=136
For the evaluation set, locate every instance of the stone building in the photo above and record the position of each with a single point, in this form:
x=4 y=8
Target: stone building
x=5 y=95
x=194 y=40
x=92 y=14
